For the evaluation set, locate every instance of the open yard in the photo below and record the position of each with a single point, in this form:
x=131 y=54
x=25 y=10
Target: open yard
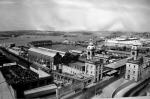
x=24 y=39
x=65 y=48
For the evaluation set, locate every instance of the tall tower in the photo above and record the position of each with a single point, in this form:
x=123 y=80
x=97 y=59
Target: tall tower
x=134 y=52
x=133 y=67
x=90 y=50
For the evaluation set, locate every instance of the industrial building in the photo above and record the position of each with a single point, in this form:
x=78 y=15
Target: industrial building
x=121 y=42
x=43 y=56
x=40 y=43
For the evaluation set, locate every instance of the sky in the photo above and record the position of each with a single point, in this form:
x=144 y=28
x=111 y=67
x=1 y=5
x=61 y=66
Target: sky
x=72 y=15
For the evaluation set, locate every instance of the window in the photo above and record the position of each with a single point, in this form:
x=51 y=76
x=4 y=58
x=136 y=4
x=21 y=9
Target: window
x=89 y=81
x=133 y=78
x=134 y=66
x=129 y=71
x=133 y=72
x=86 y=66
x=86 y=71
x=128 y=76
x=88 y=53
x=83 y=68
x=133 y=53
x=93 y=53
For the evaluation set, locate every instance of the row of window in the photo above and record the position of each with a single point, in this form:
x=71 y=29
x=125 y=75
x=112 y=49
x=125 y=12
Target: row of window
x=132 y=66
x=130 y=71
x=89 y=71
x=73 y=72
x=89 y=66
x=77 y=67
x=132 y=77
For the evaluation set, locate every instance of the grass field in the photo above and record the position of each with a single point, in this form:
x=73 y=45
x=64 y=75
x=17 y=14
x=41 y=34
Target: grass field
x=24 y=39
x=65 y=48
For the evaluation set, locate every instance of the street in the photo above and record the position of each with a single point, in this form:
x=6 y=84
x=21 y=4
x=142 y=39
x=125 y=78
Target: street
x=91 y=91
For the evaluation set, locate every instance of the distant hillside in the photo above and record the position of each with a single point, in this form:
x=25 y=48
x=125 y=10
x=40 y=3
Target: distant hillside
x=107 y=34
x=143 y=35
x=29 y=32
x=116 y=34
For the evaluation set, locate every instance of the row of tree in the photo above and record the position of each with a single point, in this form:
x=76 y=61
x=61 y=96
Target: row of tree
x=66 y=59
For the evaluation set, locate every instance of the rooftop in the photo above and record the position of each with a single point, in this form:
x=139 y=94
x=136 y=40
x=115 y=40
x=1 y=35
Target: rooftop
x=129 y=41
x=148 y=56
x=102 y=56
x=137 y=61
x=118 y=63
x=119 y=52
x=95 y=60
x=133 y=61
x=46 y=51
x=4 y=60
x=82 y=58
x=81 y=64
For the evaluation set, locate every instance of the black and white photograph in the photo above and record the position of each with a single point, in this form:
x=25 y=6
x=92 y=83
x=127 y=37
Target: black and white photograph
x=74 y=49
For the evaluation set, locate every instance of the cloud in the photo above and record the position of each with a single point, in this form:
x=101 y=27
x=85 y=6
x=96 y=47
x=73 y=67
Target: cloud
x=6 y=2
x=126 y=15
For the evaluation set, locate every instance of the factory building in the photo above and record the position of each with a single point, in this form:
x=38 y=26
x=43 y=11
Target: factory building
x=121 y=42
x=40 y=43
x=43 y=56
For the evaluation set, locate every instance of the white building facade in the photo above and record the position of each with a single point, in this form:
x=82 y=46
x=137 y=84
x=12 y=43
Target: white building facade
x=74 y=68
x=137 y=68
x=120 y=42
x=132 y=71
x=93 y=65
x=94 y=68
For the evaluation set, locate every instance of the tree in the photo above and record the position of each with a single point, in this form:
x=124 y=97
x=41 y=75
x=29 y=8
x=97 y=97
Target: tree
x=124 y=48
x=103 y=48
x=76 y=57
x=67 y=58
x=57 y=59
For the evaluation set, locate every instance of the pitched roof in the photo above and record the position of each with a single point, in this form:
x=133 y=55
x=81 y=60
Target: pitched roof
x=45 y=51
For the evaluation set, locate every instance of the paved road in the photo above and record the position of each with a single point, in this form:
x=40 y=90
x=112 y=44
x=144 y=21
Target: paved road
x=122 y=87
x=136 y=90
x=90 y=92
